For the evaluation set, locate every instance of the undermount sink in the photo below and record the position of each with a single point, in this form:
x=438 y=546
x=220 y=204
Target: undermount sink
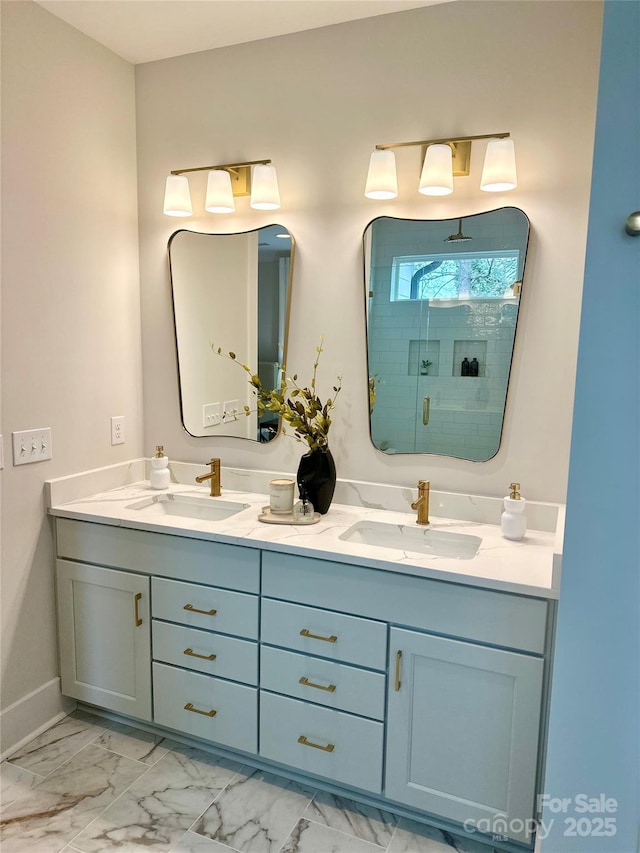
x=436 y=543
x=187 y=506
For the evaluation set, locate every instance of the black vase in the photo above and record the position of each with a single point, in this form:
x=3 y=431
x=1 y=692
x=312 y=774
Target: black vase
x=317 y=477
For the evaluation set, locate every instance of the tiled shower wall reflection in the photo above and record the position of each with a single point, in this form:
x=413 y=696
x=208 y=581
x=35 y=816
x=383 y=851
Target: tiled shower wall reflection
x=465 y=411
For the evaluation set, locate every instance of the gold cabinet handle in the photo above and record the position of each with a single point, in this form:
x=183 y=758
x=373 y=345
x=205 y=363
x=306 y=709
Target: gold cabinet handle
x=398 y=665
x=193 y=609
x=304 y=680
x=193 y=654
x=328 y=748
x=136 y=614
x=426 y=407
x=306 y=633
x=189 y=707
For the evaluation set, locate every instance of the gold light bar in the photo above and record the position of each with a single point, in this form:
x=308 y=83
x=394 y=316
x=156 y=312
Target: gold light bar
x=460 y=147
x=240 y=174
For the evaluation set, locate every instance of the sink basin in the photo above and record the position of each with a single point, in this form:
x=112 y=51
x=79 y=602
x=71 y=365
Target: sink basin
x=436 y=543
x=186 y=506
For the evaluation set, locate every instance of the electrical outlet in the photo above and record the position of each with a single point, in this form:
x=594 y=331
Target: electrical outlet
x=1 y=452
x=230 y=411
x=117 y=429
x=31 y=445
x=211 y=414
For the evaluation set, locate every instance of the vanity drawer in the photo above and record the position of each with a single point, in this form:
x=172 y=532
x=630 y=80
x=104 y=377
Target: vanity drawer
x=192 y=648
x=482 y=615
x=324 y=633
x=325 y=682
x=181 y=557
x=205 y=607
x=318 y=740
x=184 y=701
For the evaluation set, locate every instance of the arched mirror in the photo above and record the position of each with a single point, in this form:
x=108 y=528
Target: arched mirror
x=231 y=290
x=442 y=303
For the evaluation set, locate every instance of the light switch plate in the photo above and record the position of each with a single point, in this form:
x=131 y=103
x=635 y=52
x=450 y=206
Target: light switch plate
x=211 y=414
x=230 y=411
x=1 y=452
x=31 y=445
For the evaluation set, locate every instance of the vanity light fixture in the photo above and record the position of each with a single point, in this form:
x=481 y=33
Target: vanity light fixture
x=219 y=198
x=265 y=194
x=257 y=178
x=442 y=160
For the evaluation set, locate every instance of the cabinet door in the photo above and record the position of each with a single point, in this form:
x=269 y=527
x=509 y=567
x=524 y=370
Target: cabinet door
x=462 y=736
x=103 y=625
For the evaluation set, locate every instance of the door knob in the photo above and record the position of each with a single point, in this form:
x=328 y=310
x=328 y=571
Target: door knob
x=632 y=225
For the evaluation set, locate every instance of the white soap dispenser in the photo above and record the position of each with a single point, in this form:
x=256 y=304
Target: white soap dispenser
x=160 y=476
x=514 y=523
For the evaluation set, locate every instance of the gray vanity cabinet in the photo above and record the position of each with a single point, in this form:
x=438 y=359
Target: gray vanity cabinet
x=464 y=698
x=104 y=636
x=205 y=662
x=417 y=694
x=322 y=691
x=462 y=730
x=138 y=609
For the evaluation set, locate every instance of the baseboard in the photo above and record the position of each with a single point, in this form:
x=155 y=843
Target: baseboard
x=32 y=715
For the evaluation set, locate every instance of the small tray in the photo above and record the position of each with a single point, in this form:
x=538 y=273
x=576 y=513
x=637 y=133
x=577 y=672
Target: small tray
x=268 y=517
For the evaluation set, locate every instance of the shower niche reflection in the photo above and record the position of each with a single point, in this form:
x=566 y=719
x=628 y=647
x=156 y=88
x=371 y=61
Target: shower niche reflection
x=443 y=301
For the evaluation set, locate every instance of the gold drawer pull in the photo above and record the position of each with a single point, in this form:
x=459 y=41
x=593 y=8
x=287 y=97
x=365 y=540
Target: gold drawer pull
x=398 y=665
x=193 y=609
x=136 y=614
x=328 y=748
x=189 y=707
x=193 y=654
x=304 y=680
x=306 y=633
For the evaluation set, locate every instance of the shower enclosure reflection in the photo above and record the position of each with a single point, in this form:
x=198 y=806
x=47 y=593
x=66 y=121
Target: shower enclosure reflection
x=442 y=300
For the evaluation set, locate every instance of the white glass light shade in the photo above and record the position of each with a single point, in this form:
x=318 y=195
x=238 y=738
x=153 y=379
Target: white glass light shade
x=499 y=172
x=177 y=198
x=265 y=194
x=437 y=171
x=219 y=198
x=382 y=181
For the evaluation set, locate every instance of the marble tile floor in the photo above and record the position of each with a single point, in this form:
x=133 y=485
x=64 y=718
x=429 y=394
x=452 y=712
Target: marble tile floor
x=89 y=785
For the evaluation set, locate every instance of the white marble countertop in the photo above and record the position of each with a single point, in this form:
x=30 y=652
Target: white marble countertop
x=528 y=567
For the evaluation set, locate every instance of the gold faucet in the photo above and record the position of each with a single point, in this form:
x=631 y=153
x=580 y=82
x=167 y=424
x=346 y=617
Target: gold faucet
x=422 y=502
x=213 y=476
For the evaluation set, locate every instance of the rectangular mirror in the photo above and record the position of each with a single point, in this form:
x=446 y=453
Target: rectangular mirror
x=442 y=303
x=231 y=290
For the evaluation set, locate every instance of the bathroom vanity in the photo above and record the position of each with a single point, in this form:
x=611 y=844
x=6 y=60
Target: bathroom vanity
x=414 y=681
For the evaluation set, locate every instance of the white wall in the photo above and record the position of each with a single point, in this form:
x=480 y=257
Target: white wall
x=316 y=103
x=70 y=308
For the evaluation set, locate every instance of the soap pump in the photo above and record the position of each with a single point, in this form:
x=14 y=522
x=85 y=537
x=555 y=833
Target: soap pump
x=303 y=510
x=513 y=522
x=160 y=476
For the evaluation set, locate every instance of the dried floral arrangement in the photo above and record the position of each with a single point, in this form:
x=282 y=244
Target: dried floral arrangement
x=298 y=406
